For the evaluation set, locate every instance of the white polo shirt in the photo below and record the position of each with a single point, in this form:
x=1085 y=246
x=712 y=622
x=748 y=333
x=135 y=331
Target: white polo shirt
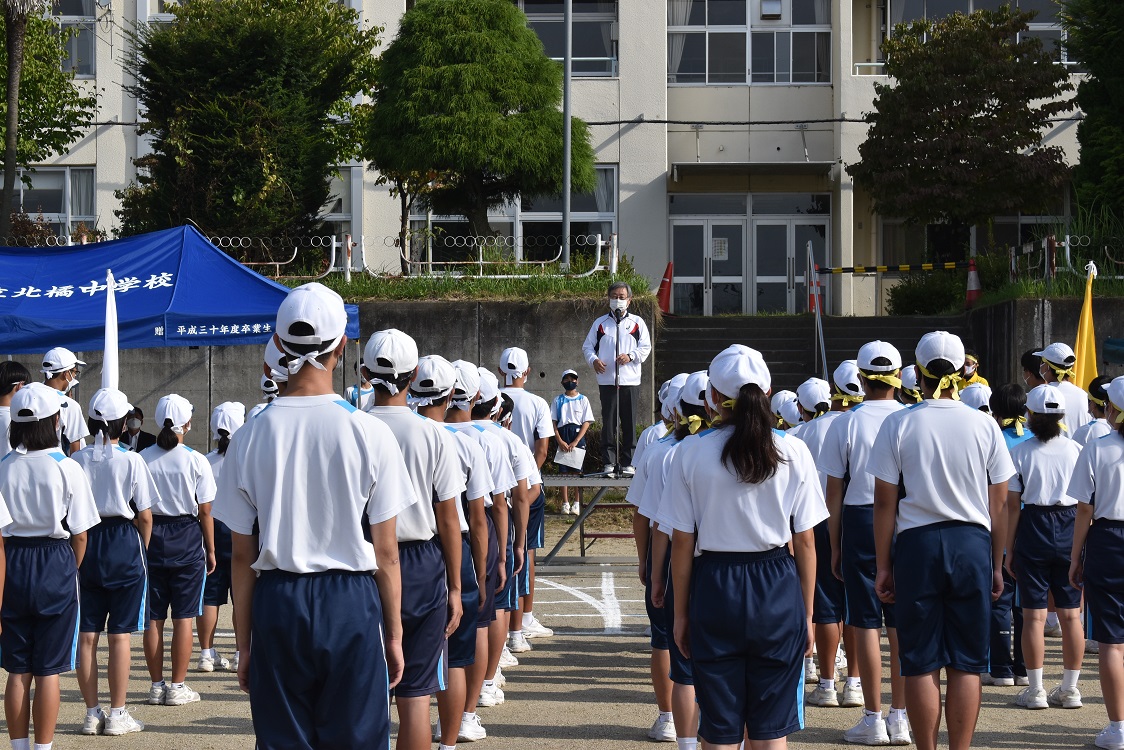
x=364 y=400
x=846 y=449
x=947 y=453
x=651 y=434
x=5 y=420
x=434 y=471
x=121 y=477
x=522 y=462
x=654 y=499
x=183 y=477
x=71 y=422
x=1098 y=428
x=732 y=516
x=1043 y=470
x=313 y=472
x=474 y=467
x=646 y=470
x=576 y=410
x=496 y=453
x=1076 y=406
x=1098 y=477
x=42 y=489
x=530 y=416
x=215 y=459
x=814 y=434
x=257 y=409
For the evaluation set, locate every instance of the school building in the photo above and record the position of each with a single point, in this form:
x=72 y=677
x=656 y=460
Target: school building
x=721 y=130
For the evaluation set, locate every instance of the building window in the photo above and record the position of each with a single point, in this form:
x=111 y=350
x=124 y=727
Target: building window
x=338 y=211
x=711 y=42
x=594 y=35
x=76 y=19
x=64 y=197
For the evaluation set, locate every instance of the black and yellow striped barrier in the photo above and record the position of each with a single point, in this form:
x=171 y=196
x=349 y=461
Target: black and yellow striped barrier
x=902 y=267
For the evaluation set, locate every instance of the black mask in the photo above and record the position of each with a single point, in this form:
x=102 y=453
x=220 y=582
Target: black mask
x=569 y=384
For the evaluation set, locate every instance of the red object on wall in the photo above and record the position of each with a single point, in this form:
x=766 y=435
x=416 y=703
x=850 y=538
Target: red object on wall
x=663 y=296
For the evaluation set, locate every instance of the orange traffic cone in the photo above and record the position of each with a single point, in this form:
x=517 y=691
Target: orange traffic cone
x=974 y=288
x=663 y=296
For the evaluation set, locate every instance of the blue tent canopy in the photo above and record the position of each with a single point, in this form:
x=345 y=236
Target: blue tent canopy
x=173 y=288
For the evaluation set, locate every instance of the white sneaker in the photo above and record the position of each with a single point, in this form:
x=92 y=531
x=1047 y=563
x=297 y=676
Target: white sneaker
x=157 y=694
x=900 y=731
x=517 y=643
x=871 y=730
x=94 y=723
x=565 y=509
x=1109 y=739
x=180 y=696
x=576 y=508
x=1021 y=680
x=851 y=696
x=823 y=698
x=609 y=469
x=507 y=659
x=206 y=664
x=1033 y=698
x=840 y=661
x=811 y=673
x=1052 y=631
x=663 y=730
x=1092 y=647
x=115 y=726
x=987 y=679
x=471 y=729
x=499 y=679
x=1065 y=697
x=532 y=628
x=490 y=696
x=628 y=471
x=234 y=663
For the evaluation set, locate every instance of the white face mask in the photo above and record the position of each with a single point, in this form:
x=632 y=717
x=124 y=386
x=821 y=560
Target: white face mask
x=133 y=424
x=70 y=384
x=618 y=304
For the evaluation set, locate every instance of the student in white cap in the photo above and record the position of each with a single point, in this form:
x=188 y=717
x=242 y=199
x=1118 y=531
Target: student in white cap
x=940 y=474
x=362 y=395
x=13 y=376
x=181 y=552
x=429 y=534
x=46 y=508
x=226 y=419
x=1097 y=556
x=1058 y=361
x=736 y=496
x=275 y=376
x=60 y=371
x=910 y=393
x=571 y=415
x=657 y=429
x=977 y=396
x=532 y=424
x=779 y=399
x=484 y=675
x=113 y=577
x=850 y=500
x=269 y=391
x=848 y=385
x=791 y=416
x=1098 y=402
x=310 y=491
x=1039 y=538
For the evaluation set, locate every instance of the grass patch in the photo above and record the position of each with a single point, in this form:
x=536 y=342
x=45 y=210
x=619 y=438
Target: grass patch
x=537 y=288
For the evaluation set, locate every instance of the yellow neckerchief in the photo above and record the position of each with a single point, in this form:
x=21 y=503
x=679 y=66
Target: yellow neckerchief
x=914 y=394
x=846 y=398
x=1098 y=401
x=1119 y=414
x=1060 y=418
x=1060 y=372
x=948 y=382
x=1018 y=422
x=884 y=377
x=694 y=423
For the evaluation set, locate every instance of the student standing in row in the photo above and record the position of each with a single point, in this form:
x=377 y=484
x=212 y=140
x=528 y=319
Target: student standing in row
x=1098 y=402
x=60 y=371
x=739 y=494
x=571 y=416
x=941 y=474
x=181 y=551
x=46 y=507
x=1057 y=365
x=1097 y=557
x=114 y=572
x=13 y=376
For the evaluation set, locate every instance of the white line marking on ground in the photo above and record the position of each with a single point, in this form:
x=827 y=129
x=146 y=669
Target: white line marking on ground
x=612 y=606
x=611 y=620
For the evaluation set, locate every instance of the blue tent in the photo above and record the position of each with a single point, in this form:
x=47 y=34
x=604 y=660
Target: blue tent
x=173 y=288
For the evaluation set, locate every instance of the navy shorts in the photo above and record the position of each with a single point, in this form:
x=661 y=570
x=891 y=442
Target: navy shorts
x=40 y=610
x=656 y=615
x=318 y=674
x=831 y=599
x=487 y=614
x=177 y=568
x=114 y=579
x=568 y=433
x=425 y=613
x=681 y=671
x=536 y=539
x=1043 y=542
x=1104 y=581
x=507 y=597
x=217 y=590
x=943 y=574
x=462 y=643
x=224 y=542
x=748 y=636
x=859 y=565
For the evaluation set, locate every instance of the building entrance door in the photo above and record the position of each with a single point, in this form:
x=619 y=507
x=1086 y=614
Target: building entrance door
x=780 y=256
x=710 y=266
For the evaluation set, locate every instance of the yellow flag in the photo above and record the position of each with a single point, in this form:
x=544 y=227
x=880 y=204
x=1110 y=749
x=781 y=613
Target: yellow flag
x=1085 y=368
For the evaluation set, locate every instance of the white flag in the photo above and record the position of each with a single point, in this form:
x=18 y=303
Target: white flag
x=109 y=357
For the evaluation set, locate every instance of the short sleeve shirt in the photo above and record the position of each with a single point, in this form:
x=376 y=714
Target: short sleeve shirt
x=1098 y=477
x=183 y=478
x=47 y=495
x=846 y=449
x=1043 y=470
x=119 y=480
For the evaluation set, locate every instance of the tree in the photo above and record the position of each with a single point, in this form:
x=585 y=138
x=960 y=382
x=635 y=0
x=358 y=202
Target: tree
x=957 y=137
x=466 y=91
x=1093 y=37
x=44 y=112
x=249 y=103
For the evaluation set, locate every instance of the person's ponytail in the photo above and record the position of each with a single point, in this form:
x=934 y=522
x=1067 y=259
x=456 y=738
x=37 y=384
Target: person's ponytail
x=224 y=442
x=167 y=439
x=112 y=429
x=751 y=452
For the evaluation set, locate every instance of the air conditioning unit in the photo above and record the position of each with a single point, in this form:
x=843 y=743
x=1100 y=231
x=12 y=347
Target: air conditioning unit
x=771 y=10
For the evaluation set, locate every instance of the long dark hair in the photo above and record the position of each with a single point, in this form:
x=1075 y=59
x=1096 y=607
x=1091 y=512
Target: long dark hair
x=224 y=442
x=750 y=452
x=167 y=439
x=688 y=410
x=112 y=429
x=35 y=436
x=1045 y=427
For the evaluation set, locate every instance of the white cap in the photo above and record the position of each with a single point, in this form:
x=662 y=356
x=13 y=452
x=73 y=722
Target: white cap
x=176 y=408
x=316 y=307
x=1059 y=354
x=59 y=359
x=909 y=378
x=846 y=378
x=878 y=356
x=277 y=361
x=780 y=398
x=694 y=389
x=790 y=413
x=33 y=402
x=390 y=352
x=436 y=376
x=736 y=366
x=940 y=345
x=575 y=374
x=109 y=404
x=468 y=379
x=671 y=400
x=229 y=416
x=1044 y=399
x=489 y=385
x=977 y=396
x=268 y=386
x=514 y=362
x=1115 y=391
x=811 y=393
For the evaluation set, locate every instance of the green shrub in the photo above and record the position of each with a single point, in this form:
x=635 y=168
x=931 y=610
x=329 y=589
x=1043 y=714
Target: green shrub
x=927 y=293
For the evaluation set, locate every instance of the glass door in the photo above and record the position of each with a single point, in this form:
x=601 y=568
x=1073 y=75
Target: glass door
x=780 y=262
x=709 y=258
